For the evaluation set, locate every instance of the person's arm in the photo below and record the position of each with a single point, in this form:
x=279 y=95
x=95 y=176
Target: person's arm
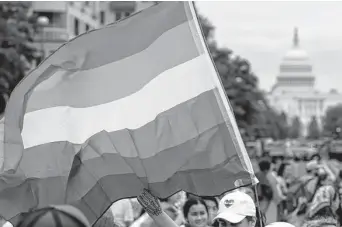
x=330 y=173
x=274 y=185
x=152 y=206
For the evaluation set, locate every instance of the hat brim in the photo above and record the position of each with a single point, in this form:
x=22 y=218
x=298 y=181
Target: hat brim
x=230 y=217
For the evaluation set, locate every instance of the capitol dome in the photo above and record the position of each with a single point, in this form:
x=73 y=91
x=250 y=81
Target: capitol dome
x=295 y=69
x=296 y=62
x=296 y=55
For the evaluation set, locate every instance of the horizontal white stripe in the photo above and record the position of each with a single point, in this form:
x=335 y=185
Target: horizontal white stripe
x=76 y=125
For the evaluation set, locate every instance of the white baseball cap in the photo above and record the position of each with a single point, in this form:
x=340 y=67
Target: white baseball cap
x=280 y=224
x=236 y=206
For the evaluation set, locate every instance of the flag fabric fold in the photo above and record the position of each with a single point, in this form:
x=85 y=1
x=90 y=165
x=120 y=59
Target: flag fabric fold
x=136 y=104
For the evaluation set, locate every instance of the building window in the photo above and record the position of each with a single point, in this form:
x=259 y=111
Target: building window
x=127 y=14
x=76 y=27
x=118 y=16
x=87 y=27
x=102 y=17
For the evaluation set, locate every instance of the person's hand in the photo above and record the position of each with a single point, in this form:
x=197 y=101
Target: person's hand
x=150 y=203
x=302 y=200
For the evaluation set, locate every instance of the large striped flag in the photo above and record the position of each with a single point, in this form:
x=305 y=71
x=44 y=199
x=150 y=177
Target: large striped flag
x=137 y=104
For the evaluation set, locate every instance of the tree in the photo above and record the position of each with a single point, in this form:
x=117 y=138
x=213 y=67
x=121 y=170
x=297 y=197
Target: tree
x=296 y=128
x=239 y=82
x=313 y=129
x=332 y=120
x=17 y=52
x=283 y=126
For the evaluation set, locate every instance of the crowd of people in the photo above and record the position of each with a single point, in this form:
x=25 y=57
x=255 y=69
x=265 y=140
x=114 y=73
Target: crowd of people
x=279 y=200
x=315 y=194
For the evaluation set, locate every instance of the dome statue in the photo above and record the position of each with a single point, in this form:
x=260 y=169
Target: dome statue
x=296 y=53
x=296 y=62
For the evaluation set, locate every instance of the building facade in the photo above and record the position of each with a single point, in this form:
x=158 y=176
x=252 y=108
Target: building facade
x=65 y=20
x=294 y=91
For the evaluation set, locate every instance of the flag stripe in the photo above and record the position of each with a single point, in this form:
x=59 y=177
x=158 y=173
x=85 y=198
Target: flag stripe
x=116 y=80
x=210 y=149
x=73 y=124
x=123 y=39
x=32 y=193
x=202 y=156
x=174 y=127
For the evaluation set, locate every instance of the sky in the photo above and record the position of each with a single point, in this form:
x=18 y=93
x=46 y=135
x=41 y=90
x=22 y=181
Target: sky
x=262 y=32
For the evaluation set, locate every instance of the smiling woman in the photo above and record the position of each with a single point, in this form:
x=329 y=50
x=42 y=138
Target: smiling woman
x=196 y=213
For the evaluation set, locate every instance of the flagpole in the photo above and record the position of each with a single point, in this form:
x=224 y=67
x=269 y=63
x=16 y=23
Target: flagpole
x=258 y=205
x=226 y=102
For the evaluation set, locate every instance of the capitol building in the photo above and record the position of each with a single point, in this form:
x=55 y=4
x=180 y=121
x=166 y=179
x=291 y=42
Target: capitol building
x=294 y=91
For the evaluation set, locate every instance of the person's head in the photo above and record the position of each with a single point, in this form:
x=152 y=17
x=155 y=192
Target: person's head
x=196 y=212
x=311 y=167
x=212 y=205
x=316 y=157
x=265 y=165
x=276 y=162
x=54 y=216
x=321 y=174
x=236 y=209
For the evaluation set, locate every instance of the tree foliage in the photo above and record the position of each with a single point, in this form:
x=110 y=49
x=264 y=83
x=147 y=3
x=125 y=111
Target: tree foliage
x=332 y=119
x=253 y=115
x=17 y=29
x=313 y=129
x=295 y=130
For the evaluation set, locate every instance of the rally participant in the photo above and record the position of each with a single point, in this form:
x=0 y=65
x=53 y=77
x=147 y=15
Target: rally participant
x=235 y=209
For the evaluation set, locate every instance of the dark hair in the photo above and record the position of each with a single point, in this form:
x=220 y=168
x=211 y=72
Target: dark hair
x=30 y=219
x=316 y=155
x=281 y=169
x=276 y=158
x=211 y=199
x=265 y=165
x=190 y=202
